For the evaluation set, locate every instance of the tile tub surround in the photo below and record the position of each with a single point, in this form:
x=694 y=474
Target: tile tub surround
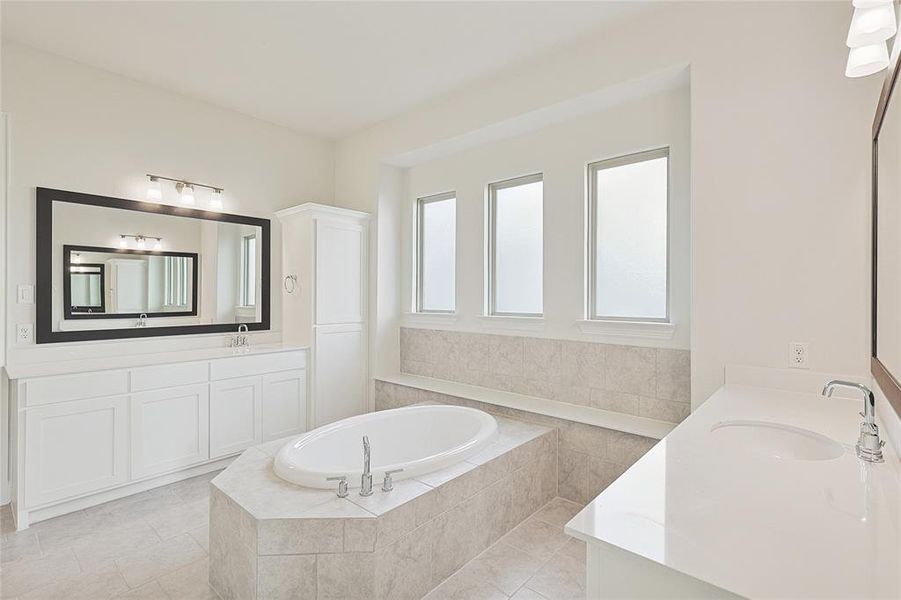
x=272 y=539
x=589 y=458
x=645 y=382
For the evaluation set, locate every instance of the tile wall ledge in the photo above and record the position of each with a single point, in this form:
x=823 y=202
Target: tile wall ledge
x=642 y=426
x=647 y=330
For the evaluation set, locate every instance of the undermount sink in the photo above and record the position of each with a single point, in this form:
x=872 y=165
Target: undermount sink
x=777 y=440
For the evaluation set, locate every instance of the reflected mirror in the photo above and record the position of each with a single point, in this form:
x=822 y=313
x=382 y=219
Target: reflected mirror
x=113 y=268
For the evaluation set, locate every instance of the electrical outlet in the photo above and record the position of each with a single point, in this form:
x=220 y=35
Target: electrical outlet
x=24 y=333
x=797 y=355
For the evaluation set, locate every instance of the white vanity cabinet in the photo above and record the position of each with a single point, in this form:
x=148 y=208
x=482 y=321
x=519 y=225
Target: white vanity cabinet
x=325 y=262
x=82 y=438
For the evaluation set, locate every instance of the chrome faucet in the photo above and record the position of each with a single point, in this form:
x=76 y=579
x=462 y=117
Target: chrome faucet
x=142 y=320
x=238 y=340
x=366 y=479
x=869 y=446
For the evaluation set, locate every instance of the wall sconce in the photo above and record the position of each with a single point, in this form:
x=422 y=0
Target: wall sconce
x=141 y=241
x=872 y=25
x=185 y=190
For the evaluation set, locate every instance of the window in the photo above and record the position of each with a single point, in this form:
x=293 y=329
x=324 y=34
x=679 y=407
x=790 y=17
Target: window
x=515 y=252
x=177 y=284
x=436 y=246
x=628 y=238
x=249 y=270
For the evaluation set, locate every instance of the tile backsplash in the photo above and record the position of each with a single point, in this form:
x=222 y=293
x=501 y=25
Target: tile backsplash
x=646 y=382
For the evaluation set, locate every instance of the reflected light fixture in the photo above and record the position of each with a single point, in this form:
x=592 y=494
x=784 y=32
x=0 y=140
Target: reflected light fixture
x=158 y=244
x=123 y=241
x=154 y=189
x=76 y=258
x=141 y=243
x=216 y=200
x=867 y=60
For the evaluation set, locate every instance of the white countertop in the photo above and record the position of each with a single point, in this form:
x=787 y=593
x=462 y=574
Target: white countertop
x=66 y=367
x=753 y=524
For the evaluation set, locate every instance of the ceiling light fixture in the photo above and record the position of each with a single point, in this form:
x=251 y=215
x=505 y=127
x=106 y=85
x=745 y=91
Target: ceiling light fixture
x=185 y=190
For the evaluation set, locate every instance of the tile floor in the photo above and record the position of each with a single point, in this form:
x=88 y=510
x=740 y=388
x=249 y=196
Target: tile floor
x=154 y=546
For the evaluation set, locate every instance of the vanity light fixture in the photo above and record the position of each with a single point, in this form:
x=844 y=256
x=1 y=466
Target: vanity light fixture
x=76 y=258
x=141 y=241
x=872 y=25
x=185 y=190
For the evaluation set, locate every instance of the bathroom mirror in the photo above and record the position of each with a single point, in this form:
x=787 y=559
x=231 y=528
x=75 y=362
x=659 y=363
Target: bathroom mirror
x=886 y=247
x=111 y=268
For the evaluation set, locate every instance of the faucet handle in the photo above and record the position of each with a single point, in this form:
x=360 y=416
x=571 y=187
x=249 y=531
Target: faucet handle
x=388 y=483
x=342 y=485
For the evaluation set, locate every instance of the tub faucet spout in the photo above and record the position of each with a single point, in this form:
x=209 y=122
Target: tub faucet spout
x=366 y=480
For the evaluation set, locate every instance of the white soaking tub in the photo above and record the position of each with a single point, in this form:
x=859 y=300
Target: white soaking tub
x=417 y=439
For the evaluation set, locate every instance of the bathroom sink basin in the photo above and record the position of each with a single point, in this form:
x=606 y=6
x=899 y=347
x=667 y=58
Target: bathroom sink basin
x=777 y=440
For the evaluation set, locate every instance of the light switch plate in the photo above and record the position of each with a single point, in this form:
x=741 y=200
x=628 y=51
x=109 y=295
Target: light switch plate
x=25 y=293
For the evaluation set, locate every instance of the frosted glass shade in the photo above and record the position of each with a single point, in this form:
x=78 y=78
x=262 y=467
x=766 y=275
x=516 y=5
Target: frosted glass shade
x=154 y=191
x=867 y=60
x=870 y=3
x=872 y=25
x=187 y=194
x=216 y=200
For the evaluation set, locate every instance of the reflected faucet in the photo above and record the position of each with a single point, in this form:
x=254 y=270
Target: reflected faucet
x=869 y=446
x=366 y=479
x=142 y=320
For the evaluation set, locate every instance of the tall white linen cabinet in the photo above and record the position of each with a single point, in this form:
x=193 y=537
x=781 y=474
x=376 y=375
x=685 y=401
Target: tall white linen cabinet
x=325 y=268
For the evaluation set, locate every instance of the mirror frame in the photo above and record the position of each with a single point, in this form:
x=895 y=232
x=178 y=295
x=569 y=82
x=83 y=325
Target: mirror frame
x=887 y=381
x=67 y=282
x=44 y=334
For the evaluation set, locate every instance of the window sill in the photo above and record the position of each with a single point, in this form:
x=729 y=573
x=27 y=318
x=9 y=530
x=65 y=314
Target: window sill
x=426 y=319
x=647 y=330
x=513 y=323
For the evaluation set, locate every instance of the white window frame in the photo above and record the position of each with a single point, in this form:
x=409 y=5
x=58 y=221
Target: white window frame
x=591 y=246
x=417 y=270
x=491 y=306
x=246 y=283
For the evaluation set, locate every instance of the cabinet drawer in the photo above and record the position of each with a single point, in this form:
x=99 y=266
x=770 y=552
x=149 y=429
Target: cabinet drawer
x=256 y=364
x=47 y=390
x=164 y=376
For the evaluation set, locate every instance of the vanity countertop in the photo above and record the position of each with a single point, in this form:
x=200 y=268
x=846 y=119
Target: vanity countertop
x=67 y=367
x=724 y=510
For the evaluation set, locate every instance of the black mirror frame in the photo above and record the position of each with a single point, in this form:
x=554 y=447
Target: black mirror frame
x=888 y=381
x=44 y=334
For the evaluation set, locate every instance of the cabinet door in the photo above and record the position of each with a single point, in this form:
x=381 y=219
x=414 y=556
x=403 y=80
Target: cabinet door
x=235 y=415
x=169 y=429
x=284 y=404
x=340 y=272
x=340 y=372
x=75 y=447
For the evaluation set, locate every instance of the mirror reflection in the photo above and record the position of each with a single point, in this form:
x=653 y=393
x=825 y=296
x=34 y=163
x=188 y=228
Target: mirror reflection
x=113 y=265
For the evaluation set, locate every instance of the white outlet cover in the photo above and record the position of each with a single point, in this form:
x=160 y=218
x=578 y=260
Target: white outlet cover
x=24 y=333
x=798 y=354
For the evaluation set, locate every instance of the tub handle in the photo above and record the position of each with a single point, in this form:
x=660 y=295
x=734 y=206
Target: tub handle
x=342 y=485
x=388 y=484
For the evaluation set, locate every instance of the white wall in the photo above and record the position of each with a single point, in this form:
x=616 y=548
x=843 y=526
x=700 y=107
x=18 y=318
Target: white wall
x=78 y=128
x=780 y=165
x=561 y=153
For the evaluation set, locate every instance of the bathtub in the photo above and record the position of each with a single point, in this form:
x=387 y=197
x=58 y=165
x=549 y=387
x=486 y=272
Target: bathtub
x=417 y=439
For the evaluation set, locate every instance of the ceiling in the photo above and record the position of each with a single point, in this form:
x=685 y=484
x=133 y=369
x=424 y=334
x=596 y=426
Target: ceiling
x=323 y=68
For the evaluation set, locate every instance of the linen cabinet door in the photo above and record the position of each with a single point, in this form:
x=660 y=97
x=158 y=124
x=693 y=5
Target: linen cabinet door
x=284 y=404
x=235 y=415
x=75 y=447
x=169 y=429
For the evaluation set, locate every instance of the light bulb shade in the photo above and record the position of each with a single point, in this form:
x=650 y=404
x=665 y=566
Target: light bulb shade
x=187 y=194
x=867 y=60
x=158 y=245
x=870 y=3
x=123 y=241
x=872 y=25
x=141 y=243
x=154 y=189
x=216 y=200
